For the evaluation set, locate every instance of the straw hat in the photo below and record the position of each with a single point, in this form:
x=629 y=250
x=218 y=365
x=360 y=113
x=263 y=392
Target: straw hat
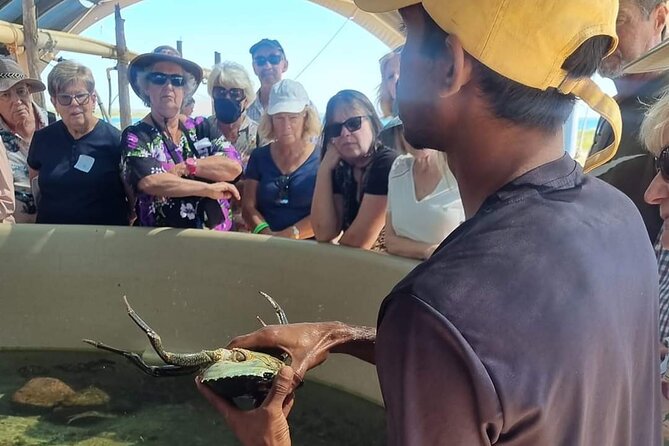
x=164 y=53
x=657 y=59
x=12 y=74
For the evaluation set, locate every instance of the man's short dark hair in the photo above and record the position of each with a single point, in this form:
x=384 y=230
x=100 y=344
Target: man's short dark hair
x=526 y=106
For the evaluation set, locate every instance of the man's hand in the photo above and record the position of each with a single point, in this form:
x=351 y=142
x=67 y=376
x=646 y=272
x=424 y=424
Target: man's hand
x=308 y=344
x=266 y=425
x=221 y=190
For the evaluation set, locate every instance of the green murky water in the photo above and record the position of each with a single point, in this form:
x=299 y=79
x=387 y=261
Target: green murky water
x=160 y=411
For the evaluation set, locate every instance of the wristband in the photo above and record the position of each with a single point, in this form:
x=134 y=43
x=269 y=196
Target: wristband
x=191 y=166
x=261 y=227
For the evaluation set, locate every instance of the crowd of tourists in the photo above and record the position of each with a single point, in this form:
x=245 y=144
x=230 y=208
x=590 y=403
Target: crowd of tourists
x=263 y=162
x=534 y=317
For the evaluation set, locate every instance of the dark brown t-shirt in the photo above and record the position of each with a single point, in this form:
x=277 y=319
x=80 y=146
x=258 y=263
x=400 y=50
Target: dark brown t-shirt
x=509 y=336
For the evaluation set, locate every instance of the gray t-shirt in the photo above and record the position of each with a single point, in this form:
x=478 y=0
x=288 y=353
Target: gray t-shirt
x=534 y=323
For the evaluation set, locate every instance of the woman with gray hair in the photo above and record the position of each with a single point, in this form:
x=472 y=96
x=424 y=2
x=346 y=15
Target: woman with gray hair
x=76 y=159
x=231 y=89
x=179 y=173
x=20 y=117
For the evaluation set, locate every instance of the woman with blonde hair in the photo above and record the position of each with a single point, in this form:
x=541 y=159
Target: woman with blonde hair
x=281 y=176
x=389 y=66
x=231 y=90
x=655 y=136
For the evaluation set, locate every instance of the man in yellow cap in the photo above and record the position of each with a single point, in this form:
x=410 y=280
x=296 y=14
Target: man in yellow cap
x=507 y=335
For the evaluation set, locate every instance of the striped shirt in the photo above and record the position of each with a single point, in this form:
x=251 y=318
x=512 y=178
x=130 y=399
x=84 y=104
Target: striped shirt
x=663 y=270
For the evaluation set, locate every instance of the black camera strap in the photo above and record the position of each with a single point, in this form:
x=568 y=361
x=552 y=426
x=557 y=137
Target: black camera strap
x=169 y=143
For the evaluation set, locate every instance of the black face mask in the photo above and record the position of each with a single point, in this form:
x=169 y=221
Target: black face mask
x=227 y=110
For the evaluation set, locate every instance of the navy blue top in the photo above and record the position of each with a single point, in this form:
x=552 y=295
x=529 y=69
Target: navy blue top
x=534 y=323
x=282 y=209
x=79 y=179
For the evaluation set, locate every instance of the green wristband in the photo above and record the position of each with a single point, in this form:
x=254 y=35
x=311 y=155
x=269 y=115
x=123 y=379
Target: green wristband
x=261 y=227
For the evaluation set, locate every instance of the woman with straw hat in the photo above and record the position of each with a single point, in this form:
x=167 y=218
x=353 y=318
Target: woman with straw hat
x=180 y=176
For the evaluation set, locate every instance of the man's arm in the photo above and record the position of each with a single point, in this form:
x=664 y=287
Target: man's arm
x=435 y=389
x=309 y=344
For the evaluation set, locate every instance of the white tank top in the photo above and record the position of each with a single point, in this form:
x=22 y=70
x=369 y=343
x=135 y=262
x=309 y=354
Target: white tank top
x=429 y=220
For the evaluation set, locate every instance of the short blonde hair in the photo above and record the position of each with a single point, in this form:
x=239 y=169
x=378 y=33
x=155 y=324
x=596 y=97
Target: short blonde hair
x=233 y=75
x=654 y=134
x=312 y=125
x=66 y=73
x=384 y=98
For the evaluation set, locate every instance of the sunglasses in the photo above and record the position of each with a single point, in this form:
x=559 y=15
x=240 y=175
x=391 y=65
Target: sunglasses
x=283 y=184
x=662 y=163
x=274 y=59
x=177 y=80
x=235 y=94
x=352 y=125
x=66 y=99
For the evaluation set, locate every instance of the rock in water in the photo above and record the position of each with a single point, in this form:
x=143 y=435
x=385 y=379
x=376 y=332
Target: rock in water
x=40 y=394
x=89 y=397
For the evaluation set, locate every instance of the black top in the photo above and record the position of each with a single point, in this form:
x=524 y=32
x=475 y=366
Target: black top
x=374 y=181
x=534 y=323
x=632 y=169
x=79 y=180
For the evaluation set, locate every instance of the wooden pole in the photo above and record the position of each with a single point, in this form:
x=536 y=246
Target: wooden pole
x=122 y=69
x=30 y=44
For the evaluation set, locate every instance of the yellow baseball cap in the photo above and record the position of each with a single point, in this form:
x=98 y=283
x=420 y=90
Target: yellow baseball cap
x=528 y=41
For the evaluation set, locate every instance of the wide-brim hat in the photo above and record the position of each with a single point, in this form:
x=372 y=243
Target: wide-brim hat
x=657 y=59
x=12 y=74
x=140 y=63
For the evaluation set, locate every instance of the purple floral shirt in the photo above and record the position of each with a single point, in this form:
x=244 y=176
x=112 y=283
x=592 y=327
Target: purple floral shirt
x=145 y=153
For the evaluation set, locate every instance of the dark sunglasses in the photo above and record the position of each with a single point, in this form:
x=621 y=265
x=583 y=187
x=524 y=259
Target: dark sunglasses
x=161 y=79
x=662 y=163
x=283 y=184
x=274 y=59
x=352 y=125
x=66 y=99
x=236 y=94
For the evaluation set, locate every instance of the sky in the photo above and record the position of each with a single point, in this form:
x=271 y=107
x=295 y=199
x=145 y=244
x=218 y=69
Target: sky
x=231 y=27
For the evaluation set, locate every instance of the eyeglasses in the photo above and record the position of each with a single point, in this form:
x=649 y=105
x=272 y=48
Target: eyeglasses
x=352 y=125
x=66 y=99
x=236 y=94
x=662 y=163
x=283 y=184
x=177 y=80
x=274 y=59
x=22 y=92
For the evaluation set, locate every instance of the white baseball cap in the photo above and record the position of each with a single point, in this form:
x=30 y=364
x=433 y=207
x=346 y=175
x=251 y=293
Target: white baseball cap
x=287 y=96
